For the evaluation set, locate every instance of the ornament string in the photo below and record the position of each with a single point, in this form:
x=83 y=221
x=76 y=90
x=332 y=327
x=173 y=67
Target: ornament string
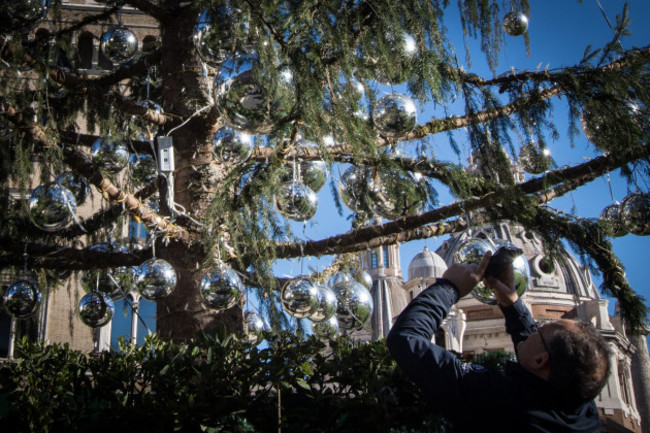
x=25 y=260
x=128 y=301
x=196 y=113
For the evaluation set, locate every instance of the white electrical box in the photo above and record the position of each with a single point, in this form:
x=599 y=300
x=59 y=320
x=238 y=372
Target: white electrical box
x=165 y=154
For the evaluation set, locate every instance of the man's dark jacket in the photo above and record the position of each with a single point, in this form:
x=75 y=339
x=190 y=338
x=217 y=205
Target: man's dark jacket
x=473 y=398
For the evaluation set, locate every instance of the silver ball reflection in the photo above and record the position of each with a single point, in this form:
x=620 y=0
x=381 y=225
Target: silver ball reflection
x=521 y=270
x=220 y=287
x=354 y=307
x=353 y=189
x=142 y=169
x=593 y=126
x=327 y=304
x=22 y=298
x=230 y=146
x=109 y=154
x=51 y=206
x=255 y=326
x=394 y=193
x=340 y=278
x=145 y=130
x=327 y=328
x=611 y=215
x=300 y=297
x=216 y=31
x=515 y=23
x=395 y=115
x=402 y=50
x=362 y=277
x=534 y=158
x=76 y=183
x=470 y=251
x=96 y=309
x=155 y=279
x=118 y=44
x=634 y=214
x=250 y=98
x=296 y=201
x=22 y=15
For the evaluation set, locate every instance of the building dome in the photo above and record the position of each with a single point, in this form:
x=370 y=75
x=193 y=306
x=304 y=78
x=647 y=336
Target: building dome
x=426 y=264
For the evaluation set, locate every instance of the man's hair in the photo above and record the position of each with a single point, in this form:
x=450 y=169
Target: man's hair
x=579 y=363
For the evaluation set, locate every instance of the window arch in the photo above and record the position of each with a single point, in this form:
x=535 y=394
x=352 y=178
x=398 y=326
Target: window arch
x=85 y=48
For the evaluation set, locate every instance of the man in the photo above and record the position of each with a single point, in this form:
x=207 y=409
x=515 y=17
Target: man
x=562 y=365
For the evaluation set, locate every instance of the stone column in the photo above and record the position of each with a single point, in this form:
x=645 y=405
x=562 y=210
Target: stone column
x=640 y=368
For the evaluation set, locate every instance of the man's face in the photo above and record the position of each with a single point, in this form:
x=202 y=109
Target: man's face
x=532 y=353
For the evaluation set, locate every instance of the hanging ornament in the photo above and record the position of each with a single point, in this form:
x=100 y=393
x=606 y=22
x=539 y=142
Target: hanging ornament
x=611 y=214
x=326 y=328
x=402 y=50
x=634 y=214
x=155 y=279
x=353 y=189
x=356 y=98
x=354 y=307
x=521 y=271
x=327 y=305
x=394 y=193
x=217 y=32
x=469 y=252
x=340 y=278
x=109 y=154
x=76 y=183
x=220 y=287
x=22 y=298
x=312 y=173
x=113 y=282
x=51 y=206
x=118 y=44
x=296 y=201
x=593 y=126
x=534 y=158
x=515 y=23
x=142 y=170
x=394 y=115
x=144 y=130
x=96 y=309
x=230 y=146
x=255 y=327
x=250 y=98
x=300 y=297
x=22 y=15
x=363 y=277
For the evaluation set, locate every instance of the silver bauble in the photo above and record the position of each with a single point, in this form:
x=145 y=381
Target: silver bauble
x=109 y=154
x=354 y=307
x=250 y=98
x=327 y=328
x=22 y=15
x=593 y=126
x=296 y=201
x=471 y=250
x=220 y=287
x=362 y=277
x=394 y=193
x=402 y=50
x=22 y=298
x=51 y=205
x=515 y=23
x=611 y=215
x=142 y=169
x=327 y=305
x=76 y=183
x=634 y=214
x=395 y=115
x=353 y=189
x=255 y=326
x=118 y=44
x=231 y=146
x=216 y=32
x=535 y=159
x=312 y=173
x=114 y=282
x=142 y=129
x=340 y=278
x=96 y=309
x=155 y=279
x=300 y=297
x=521 y=271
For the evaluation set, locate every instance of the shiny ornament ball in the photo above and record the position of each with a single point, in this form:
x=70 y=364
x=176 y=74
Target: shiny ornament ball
x=22 y=298
x=611 y=215
x=535 y=159
x=142 y=129
x=114 y=282
x=255 y=326
x=515 y=23
x=634 y=214
x=230 y=146
x=327 y=305
x=353 y=189
x=341 y=278
x=76 y=183
x=362 y=277
x=402 y=50
x=250 y=98
x=326 y=328
x=394 y=193
x=51 y=206
x=22 y=15
x=521 y=270
x=109 y=154
x=96 y=309
x=593 y=126
x=118 y=44
x=142 y=170
x=296 y=201
x=355 y=305
x=313 y=174
x=220 y=287
x=394 y=115
x=155 y=279
x=300 y=297
x=216 y=32
x=471 y=250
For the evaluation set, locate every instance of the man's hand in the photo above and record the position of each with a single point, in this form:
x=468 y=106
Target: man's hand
x=503 y=287
x=466 y=277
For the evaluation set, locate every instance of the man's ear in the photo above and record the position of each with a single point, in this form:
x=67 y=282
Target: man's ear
x=542 y=361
